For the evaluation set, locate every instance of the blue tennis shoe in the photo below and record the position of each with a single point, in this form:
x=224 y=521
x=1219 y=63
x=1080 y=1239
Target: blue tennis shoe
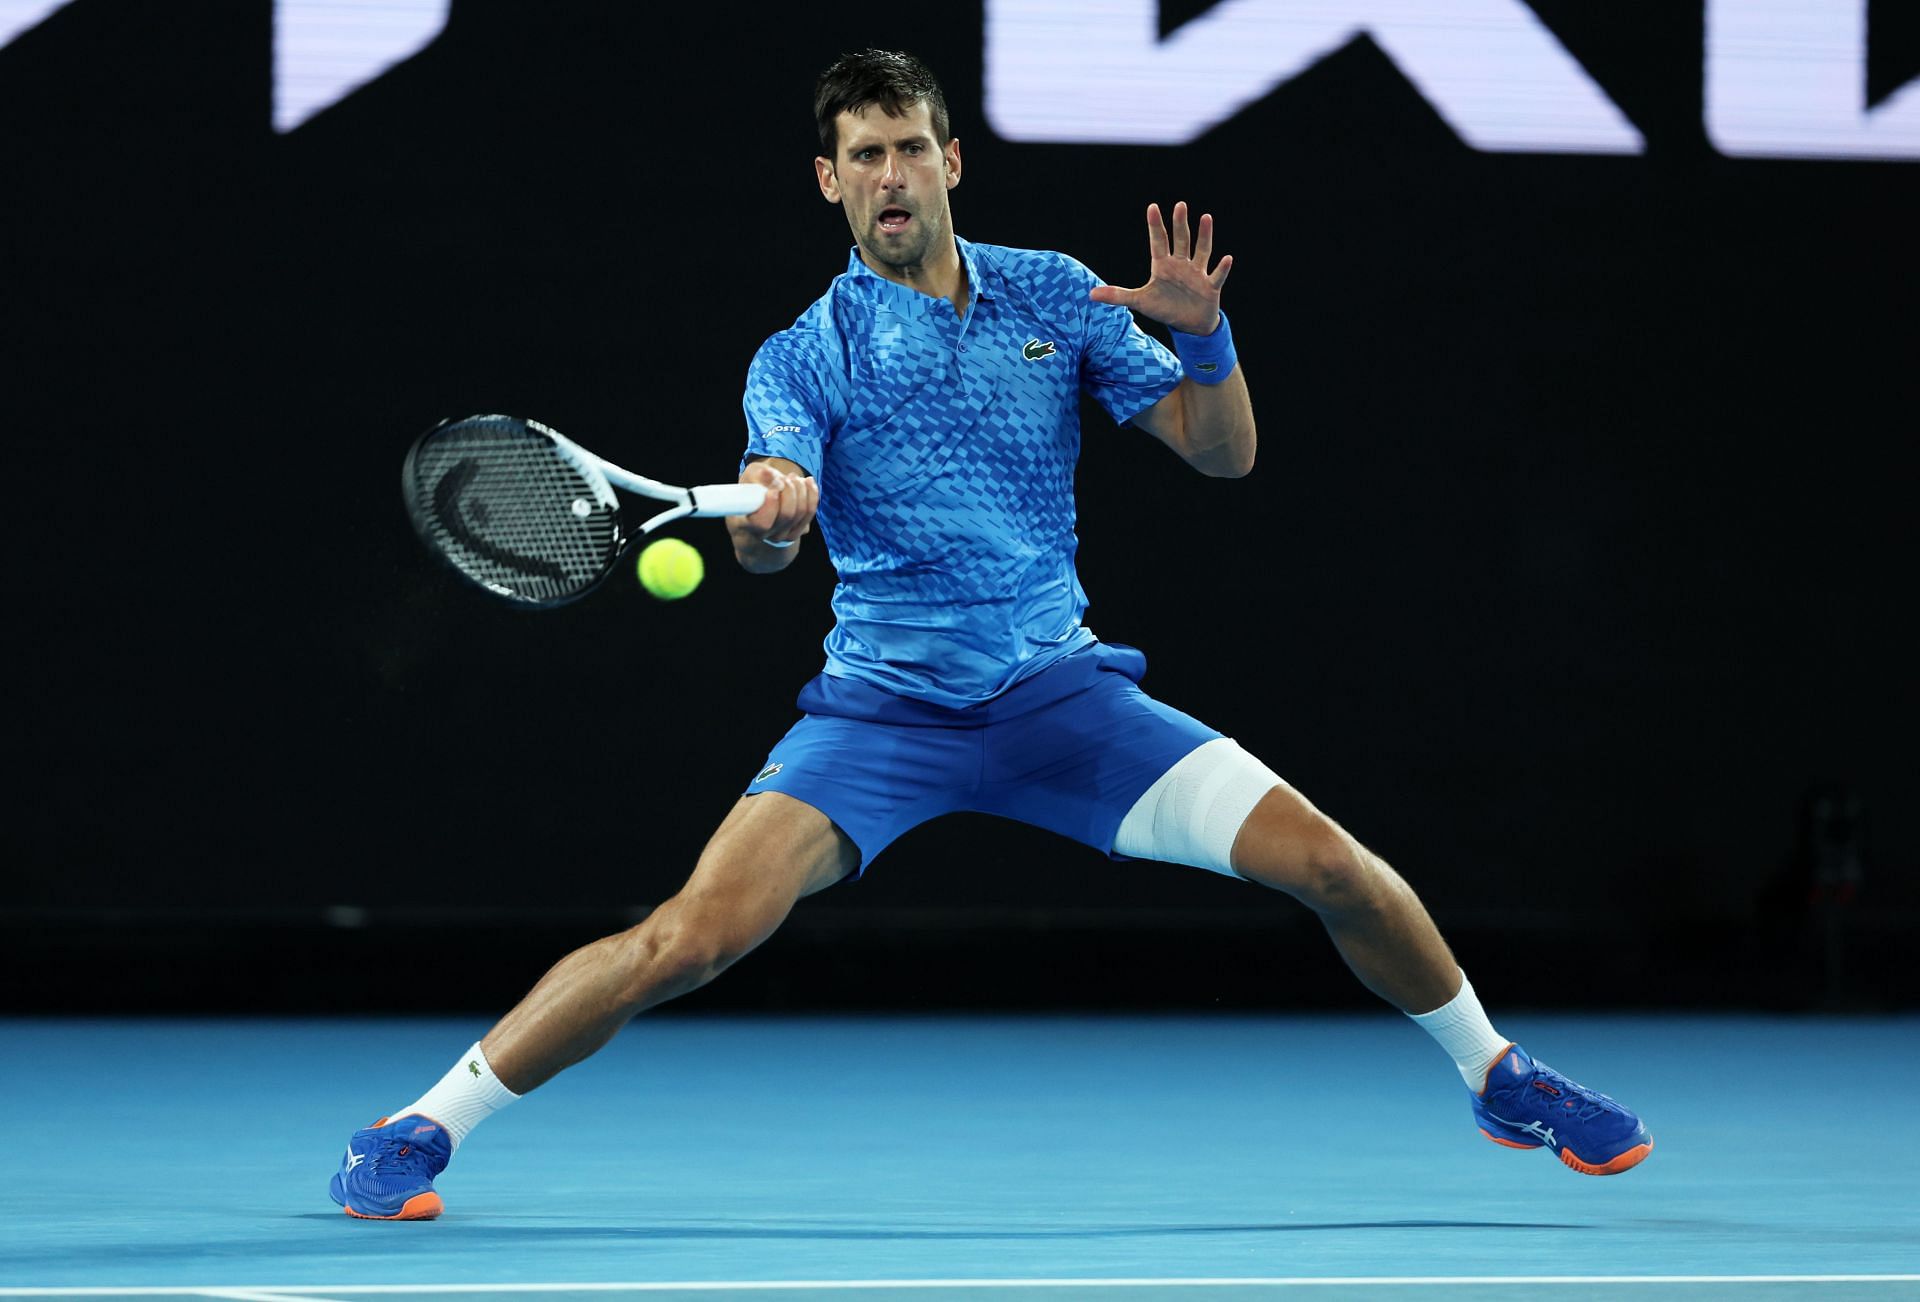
x=387 y=1174
x=1527 y=1104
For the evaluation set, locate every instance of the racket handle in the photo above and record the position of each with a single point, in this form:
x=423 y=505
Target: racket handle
x=727 y=499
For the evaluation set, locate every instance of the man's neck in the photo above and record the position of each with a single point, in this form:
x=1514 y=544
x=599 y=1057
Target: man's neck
x=941 y=277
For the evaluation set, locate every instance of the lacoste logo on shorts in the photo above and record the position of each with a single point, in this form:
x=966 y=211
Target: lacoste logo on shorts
x=768 y=772
x=1035 y=350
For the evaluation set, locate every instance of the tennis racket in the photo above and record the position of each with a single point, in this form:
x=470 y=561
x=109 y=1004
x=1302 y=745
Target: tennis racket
x=530 y=515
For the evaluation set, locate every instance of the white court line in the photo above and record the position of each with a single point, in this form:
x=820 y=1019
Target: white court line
x=312 y=1292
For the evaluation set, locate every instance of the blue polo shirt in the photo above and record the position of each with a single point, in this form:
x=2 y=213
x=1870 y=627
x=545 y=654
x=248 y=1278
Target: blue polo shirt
x=945 y=451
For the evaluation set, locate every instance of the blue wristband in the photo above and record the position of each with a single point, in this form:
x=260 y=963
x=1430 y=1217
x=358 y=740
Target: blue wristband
x=1208 y=359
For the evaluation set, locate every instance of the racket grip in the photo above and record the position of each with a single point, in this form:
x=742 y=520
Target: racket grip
x=727 y=499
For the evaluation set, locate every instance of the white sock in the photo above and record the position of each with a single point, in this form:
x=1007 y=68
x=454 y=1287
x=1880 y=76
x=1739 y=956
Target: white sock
x=467 y=1095
x=1462 y=1028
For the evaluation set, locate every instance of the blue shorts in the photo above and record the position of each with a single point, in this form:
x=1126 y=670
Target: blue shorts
x=1070 y=749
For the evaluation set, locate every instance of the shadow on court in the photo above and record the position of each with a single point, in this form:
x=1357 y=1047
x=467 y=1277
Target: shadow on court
x=858 y=1233
x=475 y=1230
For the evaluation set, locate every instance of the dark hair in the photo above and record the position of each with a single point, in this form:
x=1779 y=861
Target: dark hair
x=893 y=79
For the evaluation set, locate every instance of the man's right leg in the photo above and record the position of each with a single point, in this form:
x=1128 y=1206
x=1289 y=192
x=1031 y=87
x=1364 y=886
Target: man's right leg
x=769 y=852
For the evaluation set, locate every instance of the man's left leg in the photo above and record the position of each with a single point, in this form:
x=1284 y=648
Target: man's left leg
x=1220 y=808
x=1390 y=942
x=1117 y=770
x=1373 y=917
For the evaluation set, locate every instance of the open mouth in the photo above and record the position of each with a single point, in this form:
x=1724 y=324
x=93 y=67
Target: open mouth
x=894 y=220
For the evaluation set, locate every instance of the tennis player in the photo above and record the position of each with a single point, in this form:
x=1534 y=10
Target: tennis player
x=924 y=414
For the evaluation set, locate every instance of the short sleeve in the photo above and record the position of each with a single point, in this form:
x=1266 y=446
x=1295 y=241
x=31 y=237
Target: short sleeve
x=786 y=404
x=1122 y=366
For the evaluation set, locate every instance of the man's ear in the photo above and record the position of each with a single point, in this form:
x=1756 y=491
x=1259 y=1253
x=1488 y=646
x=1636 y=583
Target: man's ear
x=829 y=180
x=953 y=162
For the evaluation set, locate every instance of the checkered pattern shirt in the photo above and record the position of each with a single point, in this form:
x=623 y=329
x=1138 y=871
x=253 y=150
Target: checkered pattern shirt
x=945 y=453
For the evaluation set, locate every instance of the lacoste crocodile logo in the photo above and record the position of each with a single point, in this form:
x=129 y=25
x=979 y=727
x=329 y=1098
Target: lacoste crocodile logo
x=1035 y=350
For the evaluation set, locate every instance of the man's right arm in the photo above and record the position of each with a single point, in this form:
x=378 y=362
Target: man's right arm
x=785 y=517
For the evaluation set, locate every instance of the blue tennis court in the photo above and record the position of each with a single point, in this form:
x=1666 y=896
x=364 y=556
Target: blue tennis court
x=1043 y=1157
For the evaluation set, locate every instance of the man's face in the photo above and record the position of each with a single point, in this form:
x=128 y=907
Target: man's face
x=892 y=176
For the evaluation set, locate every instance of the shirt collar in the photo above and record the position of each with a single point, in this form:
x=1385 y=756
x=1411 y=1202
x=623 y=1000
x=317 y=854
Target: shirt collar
x=911 y=302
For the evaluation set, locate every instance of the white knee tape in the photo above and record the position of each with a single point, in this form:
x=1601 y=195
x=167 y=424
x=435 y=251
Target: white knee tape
x=1191 y=815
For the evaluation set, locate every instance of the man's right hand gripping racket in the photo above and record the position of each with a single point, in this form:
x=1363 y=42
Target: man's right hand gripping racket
x=530 y=515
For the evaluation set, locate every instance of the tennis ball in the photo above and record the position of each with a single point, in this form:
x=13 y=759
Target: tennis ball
x=670 y=569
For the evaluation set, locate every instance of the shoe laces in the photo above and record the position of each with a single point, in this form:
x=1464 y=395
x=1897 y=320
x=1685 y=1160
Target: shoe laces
x=398 y=1155
x=1570 y=1097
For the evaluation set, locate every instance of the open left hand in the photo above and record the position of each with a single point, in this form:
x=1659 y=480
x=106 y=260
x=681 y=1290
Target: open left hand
x=1180 y=291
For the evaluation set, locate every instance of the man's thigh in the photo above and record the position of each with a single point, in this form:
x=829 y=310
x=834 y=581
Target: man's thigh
x=1077 y=766
x=874 y=781
x=780 y=848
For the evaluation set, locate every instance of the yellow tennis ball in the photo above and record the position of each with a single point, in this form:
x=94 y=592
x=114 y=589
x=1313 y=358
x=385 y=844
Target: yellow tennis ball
x=670 y=569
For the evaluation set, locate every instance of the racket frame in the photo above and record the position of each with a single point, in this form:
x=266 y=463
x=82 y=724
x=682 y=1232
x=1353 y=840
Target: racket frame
x=702 y=501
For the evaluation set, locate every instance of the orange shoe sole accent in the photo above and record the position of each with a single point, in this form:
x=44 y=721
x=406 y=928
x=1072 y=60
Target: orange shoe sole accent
x=420 y=1207
x=1625 y=1162
x=1508 y=1143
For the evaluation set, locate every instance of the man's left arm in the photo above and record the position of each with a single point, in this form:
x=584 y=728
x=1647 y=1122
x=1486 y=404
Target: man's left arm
x=1208 y=418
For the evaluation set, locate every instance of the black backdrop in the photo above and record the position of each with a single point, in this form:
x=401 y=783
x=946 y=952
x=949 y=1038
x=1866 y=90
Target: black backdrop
x=1575 y=572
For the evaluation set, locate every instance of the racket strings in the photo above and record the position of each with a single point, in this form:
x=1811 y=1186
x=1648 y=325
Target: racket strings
x=512 y=511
